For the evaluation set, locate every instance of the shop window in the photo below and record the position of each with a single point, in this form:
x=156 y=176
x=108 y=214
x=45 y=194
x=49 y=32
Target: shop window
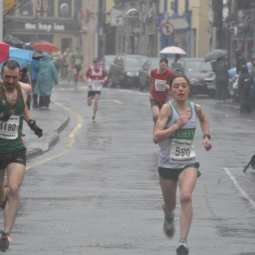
x=26 y=7
x=77 y=7
x=50 y=12
x=64 y=8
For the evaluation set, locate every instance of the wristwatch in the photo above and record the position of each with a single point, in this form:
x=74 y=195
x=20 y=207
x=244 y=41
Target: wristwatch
x=207 y=135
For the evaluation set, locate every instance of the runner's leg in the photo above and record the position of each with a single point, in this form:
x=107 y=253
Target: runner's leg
x=187 y=182
x=2 y=189
x=155 y=113
x=168 y=188
x=15 y=174
x=96 y=99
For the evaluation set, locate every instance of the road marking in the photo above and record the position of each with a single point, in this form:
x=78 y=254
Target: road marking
x=239 y=187
x=71 y=136
x=109 y=100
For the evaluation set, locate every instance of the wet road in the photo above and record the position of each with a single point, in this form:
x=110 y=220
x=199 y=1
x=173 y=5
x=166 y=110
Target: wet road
x=98 y=193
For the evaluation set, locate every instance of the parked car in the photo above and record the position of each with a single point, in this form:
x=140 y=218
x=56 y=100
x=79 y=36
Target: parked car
x=199 y=73
x=145 y=72
x=233 y=87
x=124 y=70
x=106 y=62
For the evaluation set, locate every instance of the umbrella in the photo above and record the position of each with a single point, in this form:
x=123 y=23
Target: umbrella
x=23 y=57
x=215 y=54
x=173 y=50
x=45 y=47
x=37 y=55
x=4 y=51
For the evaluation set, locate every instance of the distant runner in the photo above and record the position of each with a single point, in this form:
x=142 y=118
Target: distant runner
x=177 y=164
x=95 y=77
x=77 y=62
x=159 y=87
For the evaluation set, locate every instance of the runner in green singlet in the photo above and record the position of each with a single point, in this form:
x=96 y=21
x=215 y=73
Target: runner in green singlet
x=12 y=151
x=77 y=62
x=177 y=164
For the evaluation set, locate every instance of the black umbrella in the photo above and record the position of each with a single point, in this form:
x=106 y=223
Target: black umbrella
x=215 y=54
x=37 y=55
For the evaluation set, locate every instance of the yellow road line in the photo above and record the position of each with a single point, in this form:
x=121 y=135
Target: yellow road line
x=71 y=136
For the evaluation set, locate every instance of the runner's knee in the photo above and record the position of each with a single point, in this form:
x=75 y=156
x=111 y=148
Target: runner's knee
x=13 y=190
x=186 y=197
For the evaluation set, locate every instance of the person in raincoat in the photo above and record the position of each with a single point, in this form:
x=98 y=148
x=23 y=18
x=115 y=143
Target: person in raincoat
x=46 y=77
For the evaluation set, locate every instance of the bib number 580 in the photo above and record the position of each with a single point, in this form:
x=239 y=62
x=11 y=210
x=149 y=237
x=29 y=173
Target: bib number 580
x=182 y=152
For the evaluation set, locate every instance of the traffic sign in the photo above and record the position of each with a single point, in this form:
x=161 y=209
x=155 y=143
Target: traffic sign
x=167 y=29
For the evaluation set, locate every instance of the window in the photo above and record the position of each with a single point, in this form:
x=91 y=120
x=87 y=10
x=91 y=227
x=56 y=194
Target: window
x=50 y=12
x=26 y=7
x=64 y=8
x=77 y=7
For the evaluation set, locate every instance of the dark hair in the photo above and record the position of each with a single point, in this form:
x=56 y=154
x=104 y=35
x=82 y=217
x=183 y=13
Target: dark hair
x=178 y=76
x=10 y=64
x=95 y=60
x=163 y=60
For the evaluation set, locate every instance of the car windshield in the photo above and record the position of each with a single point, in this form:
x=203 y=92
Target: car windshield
x=108 y=60
x=132 y=61
x=198 y=66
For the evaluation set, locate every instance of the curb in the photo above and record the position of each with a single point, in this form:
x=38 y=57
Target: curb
x=49 y=140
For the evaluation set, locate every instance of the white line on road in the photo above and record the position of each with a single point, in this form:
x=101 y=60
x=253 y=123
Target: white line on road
x=109 y=100
x=239 y=187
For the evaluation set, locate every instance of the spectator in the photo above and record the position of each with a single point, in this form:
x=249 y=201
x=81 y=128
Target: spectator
x=220 y=69
x=34 y=74
x=47 y=75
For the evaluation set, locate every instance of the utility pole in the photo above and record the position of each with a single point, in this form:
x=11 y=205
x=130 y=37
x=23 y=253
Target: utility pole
x=217 y=6
x=252 y=8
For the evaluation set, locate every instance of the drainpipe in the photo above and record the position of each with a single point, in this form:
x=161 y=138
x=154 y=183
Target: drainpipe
x=188 y=18
x=1 y=19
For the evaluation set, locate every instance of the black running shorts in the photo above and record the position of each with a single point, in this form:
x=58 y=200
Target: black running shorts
x=18 y=156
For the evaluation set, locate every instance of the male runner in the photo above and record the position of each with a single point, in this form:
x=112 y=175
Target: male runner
x=77 y=61
x=177 y=164
x=13 y=110
x=159 y=87
x=95 y=77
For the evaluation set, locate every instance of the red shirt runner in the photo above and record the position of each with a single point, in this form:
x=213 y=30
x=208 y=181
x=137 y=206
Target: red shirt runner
x=157 y=86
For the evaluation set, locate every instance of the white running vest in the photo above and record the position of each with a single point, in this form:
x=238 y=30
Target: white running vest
x=178 y=151
x=96 y=84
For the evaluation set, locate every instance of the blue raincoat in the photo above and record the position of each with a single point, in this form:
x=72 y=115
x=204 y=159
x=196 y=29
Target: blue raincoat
x=47 y=75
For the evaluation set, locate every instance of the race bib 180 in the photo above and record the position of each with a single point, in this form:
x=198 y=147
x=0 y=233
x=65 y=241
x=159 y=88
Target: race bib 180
x=182 y=152
x=9 y=129
x=160 y=85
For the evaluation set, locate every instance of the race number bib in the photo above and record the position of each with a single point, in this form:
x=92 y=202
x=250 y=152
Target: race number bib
x=182 y=152
x=96 y=85
x=9 y=129
x=77 y=61
x=160 y=85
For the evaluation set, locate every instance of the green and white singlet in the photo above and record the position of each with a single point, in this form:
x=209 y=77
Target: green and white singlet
x=10 y=131
x=178 y=151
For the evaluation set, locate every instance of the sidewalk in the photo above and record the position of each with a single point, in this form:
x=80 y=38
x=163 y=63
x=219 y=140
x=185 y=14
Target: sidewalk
x=52 y=122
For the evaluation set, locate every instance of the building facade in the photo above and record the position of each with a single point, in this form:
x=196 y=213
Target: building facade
x=58 y=23
x=191 y=25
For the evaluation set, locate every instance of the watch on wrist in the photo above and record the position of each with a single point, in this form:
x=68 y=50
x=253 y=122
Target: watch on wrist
x=207 y=135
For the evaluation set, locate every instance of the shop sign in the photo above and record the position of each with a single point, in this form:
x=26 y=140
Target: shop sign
x=116 y=18
x=133 y=15
x=44 y=27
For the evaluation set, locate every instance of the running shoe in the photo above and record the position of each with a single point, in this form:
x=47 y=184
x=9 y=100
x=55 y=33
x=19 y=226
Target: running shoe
x=93 y=119
x=182 y=248
x=169 y=227
x=5 y=241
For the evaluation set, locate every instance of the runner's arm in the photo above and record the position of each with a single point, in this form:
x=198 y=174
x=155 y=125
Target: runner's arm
x=27 y=115
x=160 y=133
x=204 y=124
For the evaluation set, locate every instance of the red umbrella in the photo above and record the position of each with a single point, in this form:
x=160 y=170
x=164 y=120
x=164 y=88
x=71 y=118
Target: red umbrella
x=4 y=51
x=45 y=47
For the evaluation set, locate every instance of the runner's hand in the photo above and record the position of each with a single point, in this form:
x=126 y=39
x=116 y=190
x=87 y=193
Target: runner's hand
x=183 y=119
x=34 y=127
x=207 y=144
x=102 y=81
x=5 y=116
